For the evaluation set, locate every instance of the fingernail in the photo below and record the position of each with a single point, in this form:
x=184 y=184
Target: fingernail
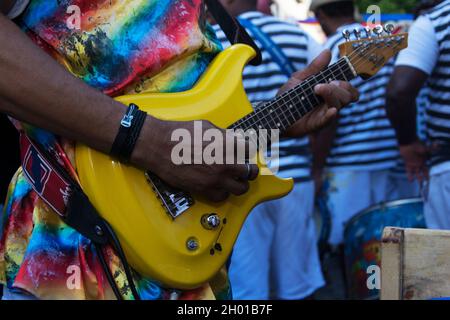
x=336 y=83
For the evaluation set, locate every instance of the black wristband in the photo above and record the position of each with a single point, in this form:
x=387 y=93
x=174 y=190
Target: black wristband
x=129 y=131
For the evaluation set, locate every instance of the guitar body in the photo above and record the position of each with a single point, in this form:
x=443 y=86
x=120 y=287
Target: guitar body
x=157 y=244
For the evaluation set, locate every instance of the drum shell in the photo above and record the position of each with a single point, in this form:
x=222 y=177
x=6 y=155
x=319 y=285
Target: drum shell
x=362 y=241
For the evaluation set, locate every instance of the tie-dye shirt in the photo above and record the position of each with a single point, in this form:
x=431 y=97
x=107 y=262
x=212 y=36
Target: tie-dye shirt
x=117 y=46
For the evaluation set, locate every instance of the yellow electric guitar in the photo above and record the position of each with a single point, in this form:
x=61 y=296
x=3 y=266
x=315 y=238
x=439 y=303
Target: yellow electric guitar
x=182 y=239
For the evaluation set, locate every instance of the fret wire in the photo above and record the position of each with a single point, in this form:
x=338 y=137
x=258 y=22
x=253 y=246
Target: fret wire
x=258 y=119
x=280 y=120
x=294 y=104
x=286 y=110
x=292 y=95
x=275 y=115
x=309 y=91
x=290 y=106
x=298 y=104
x=341 y=70
x=287 y=121
x=272 y=114
x=304 y=100
x=301 y=107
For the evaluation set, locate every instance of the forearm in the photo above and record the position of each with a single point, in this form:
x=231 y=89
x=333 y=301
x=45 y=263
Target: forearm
x=402 y=114
x=37 y=90
x=402 y=91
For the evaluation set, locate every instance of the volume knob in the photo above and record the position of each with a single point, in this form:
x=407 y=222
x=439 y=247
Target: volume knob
x=211 y=221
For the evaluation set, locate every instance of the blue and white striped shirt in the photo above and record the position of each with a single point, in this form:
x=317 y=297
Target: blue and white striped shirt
x=365 y=139
x=429 y=51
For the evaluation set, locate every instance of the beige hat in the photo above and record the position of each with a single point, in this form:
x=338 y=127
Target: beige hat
x=317 y=3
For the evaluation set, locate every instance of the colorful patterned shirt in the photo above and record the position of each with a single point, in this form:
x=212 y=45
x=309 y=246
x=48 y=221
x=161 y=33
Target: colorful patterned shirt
x=118 y=47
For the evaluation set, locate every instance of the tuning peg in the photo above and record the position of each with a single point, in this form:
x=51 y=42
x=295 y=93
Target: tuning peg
x=357 y=33
x=389 y=28
x=368 y=32
x=378 y=30
x=346 y=35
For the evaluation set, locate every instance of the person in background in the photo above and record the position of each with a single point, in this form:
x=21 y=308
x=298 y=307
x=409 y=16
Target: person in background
x=424 y=6
x=264 y=6
x=276 y=254
x=425 y=62
x=57 y=108
x=359 y=151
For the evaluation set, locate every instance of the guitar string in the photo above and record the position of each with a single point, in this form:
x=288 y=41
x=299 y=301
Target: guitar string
x=351 y=56
x=306 y=96
x=305 y=86
x=256 y=113
x=309 y=86
x=292 y=100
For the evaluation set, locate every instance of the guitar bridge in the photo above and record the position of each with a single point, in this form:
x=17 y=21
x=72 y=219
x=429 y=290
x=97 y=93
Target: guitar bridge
x=174 y=201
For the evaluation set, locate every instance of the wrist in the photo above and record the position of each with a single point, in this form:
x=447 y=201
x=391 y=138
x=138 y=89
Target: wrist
x=404 y=143
x=129 y=131
x=406 y=132
x=145 y=150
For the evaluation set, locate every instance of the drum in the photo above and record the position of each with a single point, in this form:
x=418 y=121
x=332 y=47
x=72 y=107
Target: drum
x=362 y=240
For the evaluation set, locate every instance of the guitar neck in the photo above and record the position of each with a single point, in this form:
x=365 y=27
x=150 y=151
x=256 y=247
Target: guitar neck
x=291 y=106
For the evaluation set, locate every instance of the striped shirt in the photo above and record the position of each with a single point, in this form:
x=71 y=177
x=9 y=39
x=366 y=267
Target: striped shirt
x=438 y=113
x=263 y=82
x=365 y=139
x=429 y=51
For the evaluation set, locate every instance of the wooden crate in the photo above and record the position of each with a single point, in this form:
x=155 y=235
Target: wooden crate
x=415 y=264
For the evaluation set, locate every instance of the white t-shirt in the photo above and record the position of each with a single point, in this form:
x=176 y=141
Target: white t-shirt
x=423 y=48
x=18 y=8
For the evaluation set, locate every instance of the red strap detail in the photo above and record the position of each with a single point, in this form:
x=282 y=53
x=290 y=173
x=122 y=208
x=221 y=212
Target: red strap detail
x=44 y=177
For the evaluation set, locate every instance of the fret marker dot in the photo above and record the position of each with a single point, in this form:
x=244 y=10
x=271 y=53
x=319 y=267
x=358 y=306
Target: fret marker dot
x=303 y=98
x=278 y=124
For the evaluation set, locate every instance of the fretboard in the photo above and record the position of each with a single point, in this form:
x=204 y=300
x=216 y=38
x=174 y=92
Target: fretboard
x=291 y=106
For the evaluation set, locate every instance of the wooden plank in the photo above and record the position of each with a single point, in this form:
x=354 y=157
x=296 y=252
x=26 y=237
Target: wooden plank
x=415 y=264
x=391 y=263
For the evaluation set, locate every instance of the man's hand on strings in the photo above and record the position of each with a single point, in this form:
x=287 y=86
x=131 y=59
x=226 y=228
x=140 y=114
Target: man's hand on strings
x=336 y=95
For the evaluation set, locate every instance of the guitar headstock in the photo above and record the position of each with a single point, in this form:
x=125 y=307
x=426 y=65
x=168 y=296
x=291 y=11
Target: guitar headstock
x=372 y=48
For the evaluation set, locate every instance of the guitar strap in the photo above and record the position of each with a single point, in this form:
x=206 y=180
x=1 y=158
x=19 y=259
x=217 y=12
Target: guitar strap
x=233 y=30
x=64 y=195
x=274 y=50
x=60 y=191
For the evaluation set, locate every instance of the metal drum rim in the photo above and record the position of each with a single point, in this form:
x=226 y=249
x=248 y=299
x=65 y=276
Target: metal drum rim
x=382 y=205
